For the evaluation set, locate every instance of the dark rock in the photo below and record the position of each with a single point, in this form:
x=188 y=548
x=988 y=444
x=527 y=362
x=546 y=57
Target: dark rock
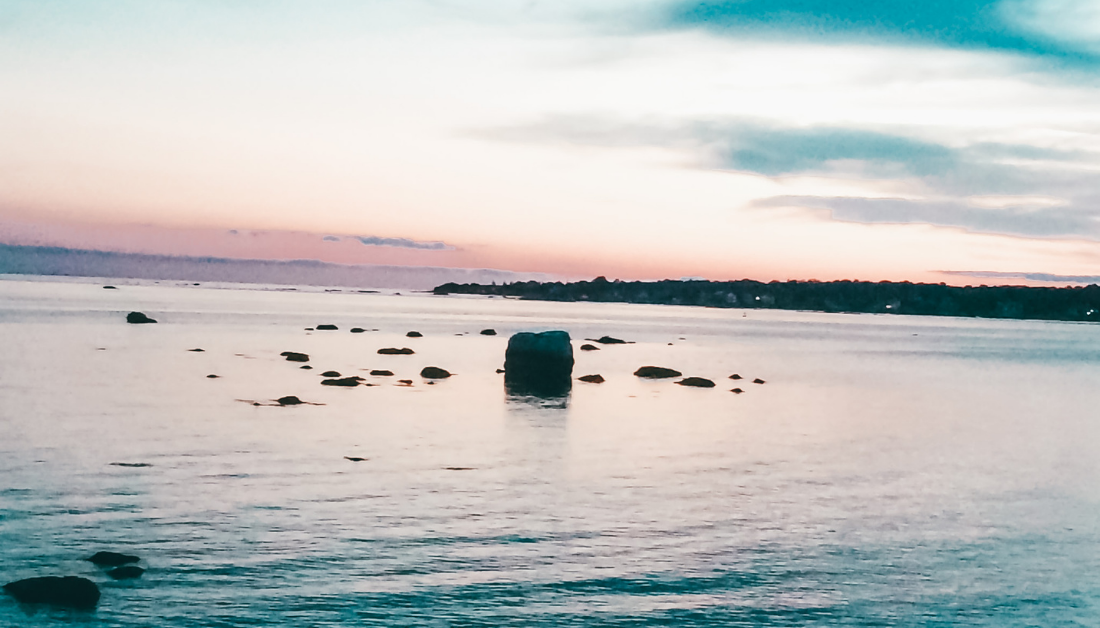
x=331 y=374
x=289 y=400
x=327 y=328
x=306 y=367
x=696 y=382
x=608 y=340
x=137 y=318
x=434 y=372
x=111 y=559
x=134 y=465
x=393 y=351
x=109 y=288
x=735 y=376
x=357 y=330
x=500 y=370
x=587 y=347
x=354 y=459
x=382 y=373
x=126 y=573
x=414 y=334
x=345 y=381
x=736 y=391
x=68 y=591
x=539 y=364
x=293 y=356
x=592 y=379
x=405 y=382
x=488 y=332
x=656 y=372
x=309 y=329
x=758 y=381
x=195 y=350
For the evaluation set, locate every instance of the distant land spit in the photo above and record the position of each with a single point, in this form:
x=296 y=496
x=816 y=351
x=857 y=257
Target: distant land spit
x=1012 y=302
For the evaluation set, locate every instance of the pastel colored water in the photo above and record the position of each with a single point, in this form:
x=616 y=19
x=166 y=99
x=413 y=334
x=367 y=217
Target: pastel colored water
x=891 y=472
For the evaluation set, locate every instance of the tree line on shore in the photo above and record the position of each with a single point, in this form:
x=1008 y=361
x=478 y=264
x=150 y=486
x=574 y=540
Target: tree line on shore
x=884 y=297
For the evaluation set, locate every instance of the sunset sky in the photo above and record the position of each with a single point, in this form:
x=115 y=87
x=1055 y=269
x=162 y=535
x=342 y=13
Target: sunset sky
x=763 y=139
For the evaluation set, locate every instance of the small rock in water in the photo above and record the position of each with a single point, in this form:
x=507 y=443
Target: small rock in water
x=132 y=465
x=346 y=381
x=289 y=400
x=327 y=328
x=656 y=372
x=306 y=367
x=736 y=390
x=488 y=332
x=111 y=559
x=382 y=373
x=126 y=573
x=69 y=591
x=357 y=330
x=294 y=356
x=434 y=372
x=137 y=318
x=196 y=350
x=592 y=379
x=309 y=329
x=696 y=382
x=331 y=374
x=405 y=382
x=735 y=376
x=500 y=370
x=211 y=376
x=109 y=288
x=414 y=334
x=758 y=381
x=608 y=340
x=393 y=351
x=354 y=458
x=589 y=348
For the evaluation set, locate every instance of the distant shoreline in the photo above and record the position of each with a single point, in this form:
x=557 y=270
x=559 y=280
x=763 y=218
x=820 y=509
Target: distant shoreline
x=1073 y=304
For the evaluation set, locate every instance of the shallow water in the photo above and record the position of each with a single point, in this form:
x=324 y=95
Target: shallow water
x=892 y=470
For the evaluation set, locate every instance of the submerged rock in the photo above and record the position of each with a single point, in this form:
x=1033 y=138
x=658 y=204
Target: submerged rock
x=608 y=340
x=592 y=379
x=414 y=334
x=111 y=559
x=393 y=351
x=69 y=591
x=137 y=318
x=587 y=347
x=126 y=573
x=289 y=400
x=326 y=328
x=294 y=356
x=696 y=382
x=434 y=372
x=345 y=381
x=539 y=364
x=488 y=332
x=382 y=373
x=656 y=372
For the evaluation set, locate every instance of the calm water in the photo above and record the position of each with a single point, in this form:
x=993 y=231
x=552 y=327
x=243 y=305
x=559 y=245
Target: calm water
x=892 y=472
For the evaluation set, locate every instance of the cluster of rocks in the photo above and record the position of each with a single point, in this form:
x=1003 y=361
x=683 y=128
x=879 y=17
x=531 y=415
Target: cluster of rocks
x=74 y=591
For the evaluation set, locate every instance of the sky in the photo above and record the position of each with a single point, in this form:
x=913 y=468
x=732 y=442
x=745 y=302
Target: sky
x=951 y=141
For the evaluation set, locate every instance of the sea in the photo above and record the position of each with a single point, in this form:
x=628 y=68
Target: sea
x=890 y=471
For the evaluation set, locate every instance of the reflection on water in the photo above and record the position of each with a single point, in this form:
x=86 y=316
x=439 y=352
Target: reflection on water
x=547 y=397
x=892 y=471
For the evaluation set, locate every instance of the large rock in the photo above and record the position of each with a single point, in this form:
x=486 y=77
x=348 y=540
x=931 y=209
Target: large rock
x=70 y=591
x=137 y=318
x=539 y=364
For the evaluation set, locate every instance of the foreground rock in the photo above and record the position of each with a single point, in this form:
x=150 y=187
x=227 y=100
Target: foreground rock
x=293 y=356
x=434 y=372
x=68 y=591
x=656 y=372
x=111 y=559
x=539 y=364
x=137 y=318
x=592 y=379
x=393 y=351
x=696 y=382
x=126 y=573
